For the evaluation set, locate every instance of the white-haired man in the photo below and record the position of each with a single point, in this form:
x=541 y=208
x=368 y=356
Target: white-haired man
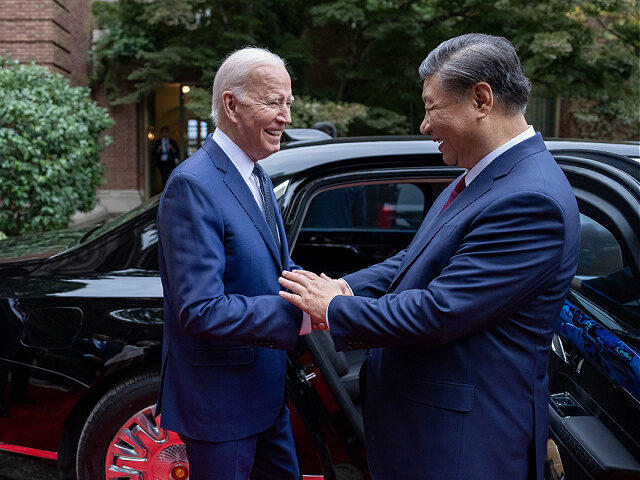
x=222 y=246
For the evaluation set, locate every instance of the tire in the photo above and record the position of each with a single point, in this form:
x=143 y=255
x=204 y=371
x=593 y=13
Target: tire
x=122 y=438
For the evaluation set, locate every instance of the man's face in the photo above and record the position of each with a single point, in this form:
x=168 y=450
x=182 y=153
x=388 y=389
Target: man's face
x=264 y=112
x=450 y=120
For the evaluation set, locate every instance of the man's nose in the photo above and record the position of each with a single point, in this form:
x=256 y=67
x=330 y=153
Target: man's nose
x=285 y=115
x=425 y=128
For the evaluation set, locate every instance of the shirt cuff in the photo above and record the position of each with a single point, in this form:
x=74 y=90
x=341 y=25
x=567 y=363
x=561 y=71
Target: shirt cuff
x=306 y=324
x=350 y=289
x=326 y=317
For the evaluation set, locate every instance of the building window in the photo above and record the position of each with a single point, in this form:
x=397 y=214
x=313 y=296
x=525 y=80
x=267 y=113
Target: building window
x=197 y=131
x=541 y=113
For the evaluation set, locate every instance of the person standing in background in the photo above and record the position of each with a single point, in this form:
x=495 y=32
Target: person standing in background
x=166 y=154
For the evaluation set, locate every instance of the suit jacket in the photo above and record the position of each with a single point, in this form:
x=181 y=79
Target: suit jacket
x=464 y=317
x=219 y=266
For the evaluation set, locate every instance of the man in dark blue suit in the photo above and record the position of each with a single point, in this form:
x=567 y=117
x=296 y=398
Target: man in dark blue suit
x=464 y=316
x=222 y=246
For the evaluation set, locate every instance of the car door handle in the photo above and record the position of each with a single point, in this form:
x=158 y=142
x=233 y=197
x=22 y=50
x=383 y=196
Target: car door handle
x=308 y=376
x=568 y=354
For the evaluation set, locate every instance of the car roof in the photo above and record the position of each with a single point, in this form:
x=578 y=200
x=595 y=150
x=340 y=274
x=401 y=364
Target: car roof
x=305 y=155
x=291 y=160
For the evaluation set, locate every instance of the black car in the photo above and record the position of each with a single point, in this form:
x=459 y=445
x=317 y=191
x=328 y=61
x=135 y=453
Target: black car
x=81 y=317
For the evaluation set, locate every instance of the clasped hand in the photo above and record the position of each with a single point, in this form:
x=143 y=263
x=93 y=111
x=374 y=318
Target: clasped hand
x=312 y=293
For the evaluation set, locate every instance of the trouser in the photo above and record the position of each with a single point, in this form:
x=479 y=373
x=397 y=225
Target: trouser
x=269 y=455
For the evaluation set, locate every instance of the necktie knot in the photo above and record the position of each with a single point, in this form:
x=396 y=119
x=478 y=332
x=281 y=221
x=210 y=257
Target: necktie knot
x=258 y=171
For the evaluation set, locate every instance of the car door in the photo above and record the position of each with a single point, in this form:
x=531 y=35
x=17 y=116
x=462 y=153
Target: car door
x=594 y=368
x=341 y=223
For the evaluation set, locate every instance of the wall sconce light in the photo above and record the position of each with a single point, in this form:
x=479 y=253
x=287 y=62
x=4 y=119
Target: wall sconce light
x=186 y=89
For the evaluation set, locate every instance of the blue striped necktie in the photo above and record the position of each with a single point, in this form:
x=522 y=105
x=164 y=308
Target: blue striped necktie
x=267 y=201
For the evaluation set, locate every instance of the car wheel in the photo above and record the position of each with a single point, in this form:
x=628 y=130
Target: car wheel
x=122 y=437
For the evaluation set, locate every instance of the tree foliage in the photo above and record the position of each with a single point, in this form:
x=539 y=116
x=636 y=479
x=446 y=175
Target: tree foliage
x=367 y=51
x=49 y=148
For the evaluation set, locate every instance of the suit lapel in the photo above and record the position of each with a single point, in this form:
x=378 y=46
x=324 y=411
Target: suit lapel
x=241 y=191
x=435 y=220
x=434 y=223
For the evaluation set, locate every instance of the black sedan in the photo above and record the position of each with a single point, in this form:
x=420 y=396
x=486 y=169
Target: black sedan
x=81 y=317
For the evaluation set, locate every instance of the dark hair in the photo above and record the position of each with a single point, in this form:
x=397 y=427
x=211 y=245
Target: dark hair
x=468 y=59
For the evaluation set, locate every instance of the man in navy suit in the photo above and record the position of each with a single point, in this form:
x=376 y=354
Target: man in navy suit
x=222 y=246
x=460 y=323
x=165 y=154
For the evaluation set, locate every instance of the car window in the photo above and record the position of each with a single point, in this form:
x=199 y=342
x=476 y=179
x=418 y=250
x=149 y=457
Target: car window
x=600 y=253
x=602 y=275
x=347 y=228
x=393 y=206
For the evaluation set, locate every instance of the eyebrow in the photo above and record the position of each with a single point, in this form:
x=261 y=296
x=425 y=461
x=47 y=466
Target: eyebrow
x=275 y=97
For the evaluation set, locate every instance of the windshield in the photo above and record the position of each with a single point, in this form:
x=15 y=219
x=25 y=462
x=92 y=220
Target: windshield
x=122 y=219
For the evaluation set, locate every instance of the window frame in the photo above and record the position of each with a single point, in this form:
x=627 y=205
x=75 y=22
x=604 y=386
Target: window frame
x=305 y=192
x=610 y=197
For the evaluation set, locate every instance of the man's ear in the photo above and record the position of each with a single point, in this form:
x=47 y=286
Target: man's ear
x=230 y=105
x=482 y=98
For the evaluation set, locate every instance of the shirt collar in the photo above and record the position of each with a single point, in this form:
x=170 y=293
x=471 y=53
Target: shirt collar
x=482 y=164
x=240 y=160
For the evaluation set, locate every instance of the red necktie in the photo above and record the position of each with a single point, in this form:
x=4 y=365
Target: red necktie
x=454 y=193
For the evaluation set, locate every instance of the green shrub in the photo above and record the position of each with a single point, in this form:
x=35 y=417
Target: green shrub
x=50 y=140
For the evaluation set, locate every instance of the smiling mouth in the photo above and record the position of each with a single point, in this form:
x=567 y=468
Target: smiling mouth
x=274 y=133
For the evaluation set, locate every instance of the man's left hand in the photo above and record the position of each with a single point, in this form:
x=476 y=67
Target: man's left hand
x=311 y=293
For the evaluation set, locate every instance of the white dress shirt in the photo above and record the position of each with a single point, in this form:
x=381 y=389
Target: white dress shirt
x=482 y=164
x=164 y=142
x=242 y=162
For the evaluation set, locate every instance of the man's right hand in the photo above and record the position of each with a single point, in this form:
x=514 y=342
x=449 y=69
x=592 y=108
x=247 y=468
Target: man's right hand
x=341 y=282
x=312 y=293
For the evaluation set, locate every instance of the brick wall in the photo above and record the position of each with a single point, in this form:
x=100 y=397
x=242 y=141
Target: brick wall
x=124 y=158
x=55 y=33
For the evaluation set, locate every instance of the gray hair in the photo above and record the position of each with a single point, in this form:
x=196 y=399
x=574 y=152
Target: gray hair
x=468 y=59
x=234 y=72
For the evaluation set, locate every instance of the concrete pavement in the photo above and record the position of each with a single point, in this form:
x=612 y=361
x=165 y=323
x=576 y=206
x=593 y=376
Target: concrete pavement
x=22 y=467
